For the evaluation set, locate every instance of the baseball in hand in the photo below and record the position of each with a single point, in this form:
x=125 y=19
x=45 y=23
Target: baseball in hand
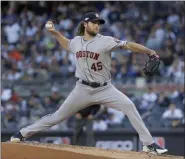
x=49 y=25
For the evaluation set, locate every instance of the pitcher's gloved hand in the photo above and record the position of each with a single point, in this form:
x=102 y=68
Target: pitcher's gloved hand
x=152 y=66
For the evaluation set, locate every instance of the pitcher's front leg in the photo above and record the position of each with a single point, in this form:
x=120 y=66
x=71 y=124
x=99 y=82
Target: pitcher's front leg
x=116 y=99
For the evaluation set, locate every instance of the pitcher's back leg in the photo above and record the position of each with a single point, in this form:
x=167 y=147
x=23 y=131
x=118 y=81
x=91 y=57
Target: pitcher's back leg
x=77 y=100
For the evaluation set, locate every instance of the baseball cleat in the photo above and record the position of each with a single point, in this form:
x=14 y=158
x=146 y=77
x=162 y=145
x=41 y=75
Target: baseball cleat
x=17 y=137
x=154 y=149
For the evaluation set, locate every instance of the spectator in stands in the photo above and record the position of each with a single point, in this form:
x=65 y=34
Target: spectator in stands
x=64 y=67
x=167 y=58
x=36 y=109
x=35 y=94
x=84 y=124
x=152 y=42
x=14 y=74
x=170 y=34
x=178 y=94
x=12 y=31
x=122 y=75
x=24 y=113
x=172 y=113
x=54 y=68
x=163 y=100
x=55 y=97
x=49 y=106
x=6 y=94
x=11 y=115
x=116 y=117
x=113 y=72
x=173 y=18
x=176 y=71
x=134 y=71
x=181 y=94
x=100 y=125
x=179 y=46
x=148 y=98
x=173 y=116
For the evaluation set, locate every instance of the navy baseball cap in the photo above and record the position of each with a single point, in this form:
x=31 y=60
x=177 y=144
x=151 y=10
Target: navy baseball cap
x=92 y=16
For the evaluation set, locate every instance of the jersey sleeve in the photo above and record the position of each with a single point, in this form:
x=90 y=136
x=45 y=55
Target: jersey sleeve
x=113 y=43
x=72 y=44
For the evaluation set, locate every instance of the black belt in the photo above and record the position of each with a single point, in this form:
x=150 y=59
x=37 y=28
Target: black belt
x=93 y=84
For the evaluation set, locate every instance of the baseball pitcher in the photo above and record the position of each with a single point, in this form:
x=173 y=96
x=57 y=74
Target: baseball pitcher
x=92 y=52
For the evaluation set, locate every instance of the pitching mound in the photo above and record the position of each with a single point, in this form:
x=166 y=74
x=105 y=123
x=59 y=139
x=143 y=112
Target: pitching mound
x=51 y=151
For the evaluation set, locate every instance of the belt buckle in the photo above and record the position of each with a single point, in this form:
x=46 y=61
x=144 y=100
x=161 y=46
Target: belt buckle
x=94 y=85
x=101 y=84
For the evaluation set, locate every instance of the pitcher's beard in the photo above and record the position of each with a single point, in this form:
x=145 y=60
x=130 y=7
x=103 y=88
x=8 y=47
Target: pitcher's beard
x=91 y=33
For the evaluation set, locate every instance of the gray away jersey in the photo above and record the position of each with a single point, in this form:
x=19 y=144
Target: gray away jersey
x=93 y=57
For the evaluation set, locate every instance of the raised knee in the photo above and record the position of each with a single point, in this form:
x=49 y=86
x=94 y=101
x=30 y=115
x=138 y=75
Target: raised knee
x=130 y=107
x=126 y=107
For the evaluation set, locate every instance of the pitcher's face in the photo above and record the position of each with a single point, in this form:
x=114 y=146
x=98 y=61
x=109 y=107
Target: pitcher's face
x=92 y=28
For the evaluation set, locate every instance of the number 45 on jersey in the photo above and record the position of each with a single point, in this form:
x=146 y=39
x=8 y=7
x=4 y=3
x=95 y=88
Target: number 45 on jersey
x=97 y=66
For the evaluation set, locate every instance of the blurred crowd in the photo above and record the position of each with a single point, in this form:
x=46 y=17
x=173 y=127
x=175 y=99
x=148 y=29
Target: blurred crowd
x=30 y=53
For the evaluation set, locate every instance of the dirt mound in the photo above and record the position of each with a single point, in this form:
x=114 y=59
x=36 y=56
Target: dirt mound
x=51 y=151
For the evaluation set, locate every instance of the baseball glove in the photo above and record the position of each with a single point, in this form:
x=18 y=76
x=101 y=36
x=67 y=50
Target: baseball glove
x=151 y=66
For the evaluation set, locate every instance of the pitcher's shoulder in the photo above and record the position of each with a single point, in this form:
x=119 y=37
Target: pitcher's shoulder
x=105 y=36
x=76 y=38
